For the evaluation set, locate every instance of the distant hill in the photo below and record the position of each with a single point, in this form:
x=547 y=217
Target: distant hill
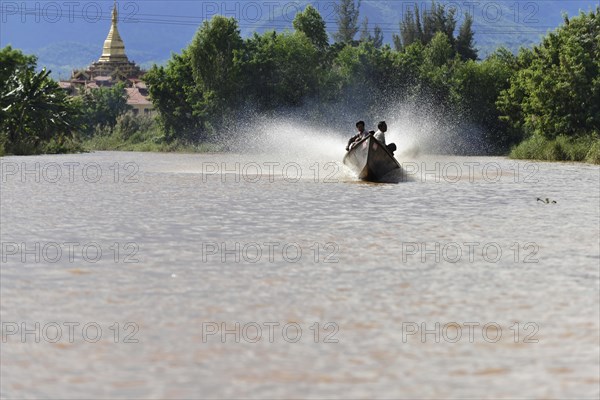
x=63 y=57
x=64 y=38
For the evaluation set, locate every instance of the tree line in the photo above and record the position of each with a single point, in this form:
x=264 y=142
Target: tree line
x=545 y=97
x=220 y=73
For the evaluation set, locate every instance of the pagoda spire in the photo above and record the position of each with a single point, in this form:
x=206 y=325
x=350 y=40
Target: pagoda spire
x=114 y=13
x=114 y=48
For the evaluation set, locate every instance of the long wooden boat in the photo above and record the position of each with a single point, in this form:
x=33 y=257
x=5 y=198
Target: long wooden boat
x=371 y=160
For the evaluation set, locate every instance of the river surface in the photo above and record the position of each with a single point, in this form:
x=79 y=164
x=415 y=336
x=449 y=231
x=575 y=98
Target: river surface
x=132 y=275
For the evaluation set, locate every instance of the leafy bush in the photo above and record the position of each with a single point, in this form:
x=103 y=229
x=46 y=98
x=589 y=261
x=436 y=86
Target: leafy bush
x=102 y=106
x=562 y=148
x=34 y=110
x=593 y=154
x=130 y=126
x=2 y=142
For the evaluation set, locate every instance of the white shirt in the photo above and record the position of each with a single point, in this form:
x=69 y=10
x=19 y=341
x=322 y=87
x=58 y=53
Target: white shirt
x=380 y=136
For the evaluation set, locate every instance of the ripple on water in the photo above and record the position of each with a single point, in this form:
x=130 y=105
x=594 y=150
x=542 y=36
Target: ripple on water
x=372 y=287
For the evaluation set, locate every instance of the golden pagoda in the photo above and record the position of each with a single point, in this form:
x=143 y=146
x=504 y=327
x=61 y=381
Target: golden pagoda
x=113 y=67
x=114 y=48
x=113 y=64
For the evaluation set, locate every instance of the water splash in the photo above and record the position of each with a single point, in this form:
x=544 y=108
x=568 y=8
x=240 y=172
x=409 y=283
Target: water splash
x=309 y=134
x=418 y=127
x=289 y=139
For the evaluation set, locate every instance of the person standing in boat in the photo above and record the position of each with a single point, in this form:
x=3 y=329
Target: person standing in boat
x=380 y=136
x=362 y=133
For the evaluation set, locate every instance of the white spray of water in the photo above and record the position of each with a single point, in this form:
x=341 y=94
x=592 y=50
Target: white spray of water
x=285 y=140
x=420 y=127
x=416 y=127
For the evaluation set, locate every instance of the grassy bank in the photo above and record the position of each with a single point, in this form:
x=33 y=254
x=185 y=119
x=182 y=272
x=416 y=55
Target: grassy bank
x=58 y=145
x=563 y=148
x=131 y=133
x=145 y=142
x=140 y=133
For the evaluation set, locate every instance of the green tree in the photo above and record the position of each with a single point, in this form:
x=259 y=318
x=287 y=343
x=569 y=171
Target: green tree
x=408 y=29
x=511 y=99
x=438 y=19
x=439 y=51
x=353 y=67
x=36 y=112
x=435 y=73
x=429 y=25
x=409 y=64
x=475 y=88
x=178 y=99
x=418 y=24
x=377 y=37
x=36 y=116
x=397 y=42
x=347 y=21
x=12 y=60
x=211 y=54
x=102 y=106
x=422 y=26
x=365 y=35
x=279 y=69
x=464 y=41
x=368 y=78
x=312 y=25
x=557 y=92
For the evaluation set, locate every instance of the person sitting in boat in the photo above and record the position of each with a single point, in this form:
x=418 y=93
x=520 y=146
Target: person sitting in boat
x=380 y=135
x=381 y=130
x=362 y=133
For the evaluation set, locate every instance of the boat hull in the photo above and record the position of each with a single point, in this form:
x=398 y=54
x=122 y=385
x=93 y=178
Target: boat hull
x=370 y=160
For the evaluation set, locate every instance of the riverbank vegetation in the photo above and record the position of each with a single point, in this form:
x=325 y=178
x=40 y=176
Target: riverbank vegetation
x=542 y=103
x=36 y=116
x=140 y=133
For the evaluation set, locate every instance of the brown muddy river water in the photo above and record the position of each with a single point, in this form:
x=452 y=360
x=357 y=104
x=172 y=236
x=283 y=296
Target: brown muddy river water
x=133 y=275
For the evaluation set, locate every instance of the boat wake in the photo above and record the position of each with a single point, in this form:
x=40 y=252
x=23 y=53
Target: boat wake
x=285 y=141
x=311 y=146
